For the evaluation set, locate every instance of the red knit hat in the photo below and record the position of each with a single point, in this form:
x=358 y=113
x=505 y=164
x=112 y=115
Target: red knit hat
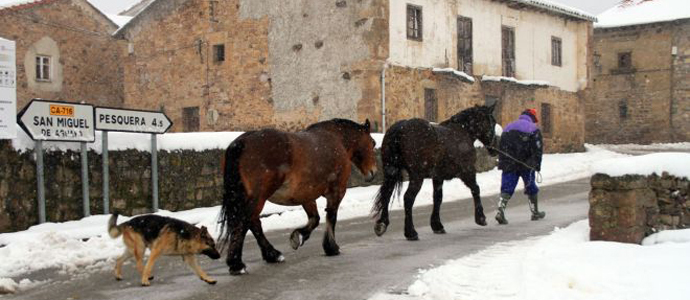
x=532 y=113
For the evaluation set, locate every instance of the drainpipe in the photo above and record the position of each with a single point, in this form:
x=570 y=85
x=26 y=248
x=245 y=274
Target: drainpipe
x=383 y=97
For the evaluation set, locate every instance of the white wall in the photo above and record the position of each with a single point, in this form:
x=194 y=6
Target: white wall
x=533 y=32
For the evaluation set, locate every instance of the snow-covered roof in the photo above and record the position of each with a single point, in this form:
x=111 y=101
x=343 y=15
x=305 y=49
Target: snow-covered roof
x=559 y=9
x=11 y=3
x=120 y=20
x=675 y=163
x=638 y=12
x=460 y=74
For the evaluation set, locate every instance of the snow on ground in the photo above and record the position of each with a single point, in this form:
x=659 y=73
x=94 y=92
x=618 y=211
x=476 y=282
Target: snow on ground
x=644 y=12
x=76 y=246
x=563 y=265
x=677 y=164
x=641 y=149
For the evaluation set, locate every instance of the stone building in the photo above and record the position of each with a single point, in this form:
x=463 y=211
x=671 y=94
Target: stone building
x=243 y=64
x=65 y=51
x=641 y=89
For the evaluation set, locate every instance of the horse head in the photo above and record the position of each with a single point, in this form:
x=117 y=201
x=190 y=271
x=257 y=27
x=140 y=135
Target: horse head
x=363 y=155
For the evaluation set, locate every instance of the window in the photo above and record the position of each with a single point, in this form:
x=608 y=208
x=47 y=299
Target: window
x=625 y=60
x=42 y=68
x=508 y=51
x=623 y=109
x=414 y=22
x=465 y=45
x=430 y=105
x=556 y=51
x=190 y=119
x=546 y=119
x=219 y=53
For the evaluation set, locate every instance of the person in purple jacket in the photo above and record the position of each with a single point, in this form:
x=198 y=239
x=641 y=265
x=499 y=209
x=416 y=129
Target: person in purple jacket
x=521 y=152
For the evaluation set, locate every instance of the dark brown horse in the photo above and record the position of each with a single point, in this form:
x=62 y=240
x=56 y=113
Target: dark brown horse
x=437 y=151
x=290 y=169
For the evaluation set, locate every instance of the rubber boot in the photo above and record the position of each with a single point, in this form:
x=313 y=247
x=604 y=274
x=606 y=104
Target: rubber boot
x=501 y=215
x=536 y=214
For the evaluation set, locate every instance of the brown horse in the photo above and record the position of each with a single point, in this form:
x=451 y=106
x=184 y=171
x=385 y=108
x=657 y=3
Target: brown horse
x=437 y=151
x=290 y=169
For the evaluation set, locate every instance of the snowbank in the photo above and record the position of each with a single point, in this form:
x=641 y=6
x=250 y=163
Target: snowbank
x=564 y=265
x=644 y=12
x=677 y=164
x=198 y=141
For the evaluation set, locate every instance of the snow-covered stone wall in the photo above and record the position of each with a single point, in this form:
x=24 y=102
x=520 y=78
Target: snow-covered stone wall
x=630 y=207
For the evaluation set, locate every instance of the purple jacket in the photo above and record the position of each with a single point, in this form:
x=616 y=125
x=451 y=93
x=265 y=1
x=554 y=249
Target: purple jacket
x=523 y=124
x=522 y=140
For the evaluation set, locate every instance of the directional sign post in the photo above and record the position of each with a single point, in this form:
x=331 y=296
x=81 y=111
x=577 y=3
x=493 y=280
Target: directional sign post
x=126 y=120
x=58 y=121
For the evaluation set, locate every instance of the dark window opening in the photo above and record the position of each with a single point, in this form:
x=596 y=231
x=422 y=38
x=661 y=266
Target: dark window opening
x=508 y=51
x=414 y=22
x=465 y=45
x=556 y=51
x=625 y=60
x=219 y=53
x=623 y=110
x=430 y=105
x=190 y=119
x=546 y=125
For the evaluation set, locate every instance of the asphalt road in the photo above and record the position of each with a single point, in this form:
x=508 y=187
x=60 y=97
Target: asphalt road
x=367 y=264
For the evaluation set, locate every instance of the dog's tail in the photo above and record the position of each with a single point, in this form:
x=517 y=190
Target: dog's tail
x=113 y=230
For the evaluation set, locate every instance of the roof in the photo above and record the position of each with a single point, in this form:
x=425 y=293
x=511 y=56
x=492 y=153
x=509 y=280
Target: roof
x=637 y=12
x=558 y=8
x=24 y=4
x=15 y=3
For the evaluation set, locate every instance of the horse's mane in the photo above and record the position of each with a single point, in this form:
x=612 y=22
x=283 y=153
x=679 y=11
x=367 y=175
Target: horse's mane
x=336 y=122
x=463 y=117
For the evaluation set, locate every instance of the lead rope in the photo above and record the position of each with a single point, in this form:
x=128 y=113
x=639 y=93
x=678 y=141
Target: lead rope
x=538 y=178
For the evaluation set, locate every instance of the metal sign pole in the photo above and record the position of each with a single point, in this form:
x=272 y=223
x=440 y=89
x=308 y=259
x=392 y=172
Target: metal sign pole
x=106 y=175
x=85 y=180
x=154 y=170
x=40 y=183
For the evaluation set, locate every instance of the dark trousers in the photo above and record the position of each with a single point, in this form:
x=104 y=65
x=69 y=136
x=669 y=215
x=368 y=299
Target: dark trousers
x=509 y=181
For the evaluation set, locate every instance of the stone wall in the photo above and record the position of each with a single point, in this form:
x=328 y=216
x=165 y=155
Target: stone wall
x=649 y=102
x=628 y=208
x=85 y=58
x=188 y=179
x=680 y=109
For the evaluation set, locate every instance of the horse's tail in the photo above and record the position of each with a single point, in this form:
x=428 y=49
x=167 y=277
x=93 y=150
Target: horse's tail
x=234 y=193
x=391 y=155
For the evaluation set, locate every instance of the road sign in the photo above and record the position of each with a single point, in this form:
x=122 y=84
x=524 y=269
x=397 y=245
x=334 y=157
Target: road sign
x=127 y=120
x=8 y=90
x=58 y=121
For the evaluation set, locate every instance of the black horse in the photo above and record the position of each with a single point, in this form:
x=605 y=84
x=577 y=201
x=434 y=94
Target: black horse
x=438 y=151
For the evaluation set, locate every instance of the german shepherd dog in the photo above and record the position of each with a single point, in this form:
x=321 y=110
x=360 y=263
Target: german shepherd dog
x=163 y=236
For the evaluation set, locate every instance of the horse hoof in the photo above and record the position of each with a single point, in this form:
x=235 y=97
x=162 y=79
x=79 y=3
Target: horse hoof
x=412 y=238
x=380 y=229
x=296 y=240
x=481 y=221
x=211 y=282
x=238 y=272
x=280 y=259
x=439 y=231
x=335 y=252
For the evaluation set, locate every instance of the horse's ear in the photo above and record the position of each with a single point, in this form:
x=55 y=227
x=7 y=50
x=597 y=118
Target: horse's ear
x=492 y=107
x=367 y=125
